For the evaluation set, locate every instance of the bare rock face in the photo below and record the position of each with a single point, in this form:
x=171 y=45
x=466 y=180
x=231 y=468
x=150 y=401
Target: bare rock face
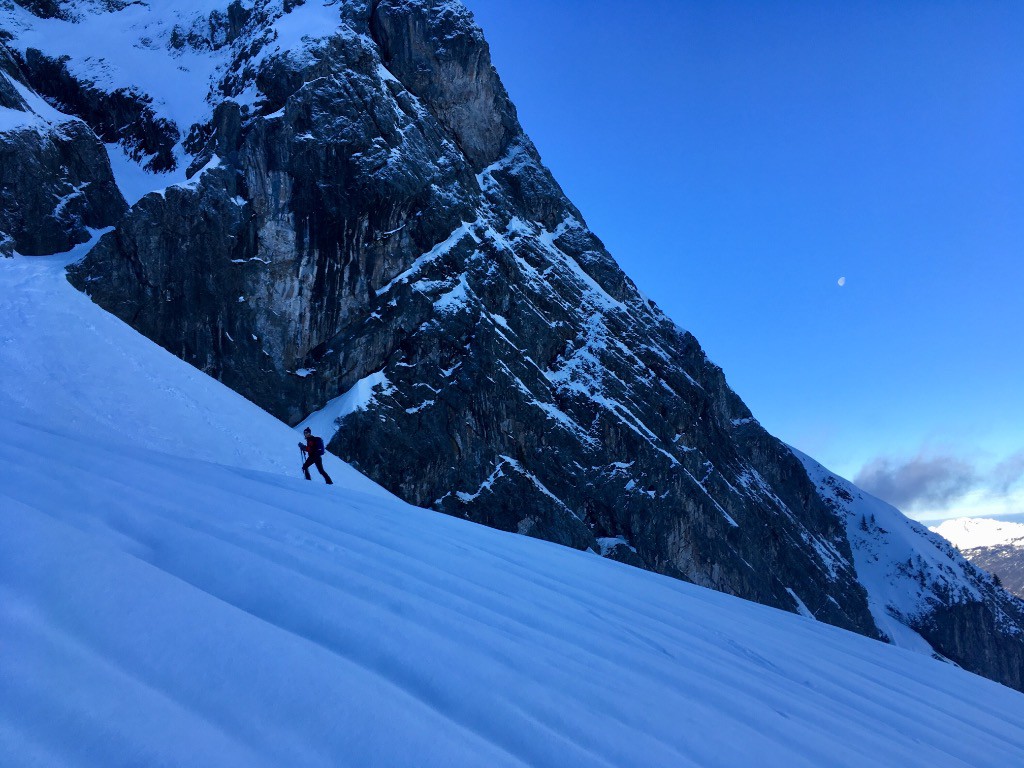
x=440 y=55
x=368 y=234
x=55 y=178
x=980 y=639
x=291 y=220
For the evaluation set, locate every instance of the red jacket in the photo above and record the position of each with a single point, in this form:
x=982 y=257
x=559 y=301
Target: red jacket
x=312 y=446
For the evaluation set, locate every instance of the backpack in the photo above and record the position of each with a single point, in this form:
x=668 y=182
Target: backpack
x=318 y=446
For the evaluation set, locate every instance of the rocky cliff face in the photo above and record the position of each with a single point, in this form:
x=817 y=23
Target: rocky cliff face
x=378 y=212
x=367 y=235
x=55 y=179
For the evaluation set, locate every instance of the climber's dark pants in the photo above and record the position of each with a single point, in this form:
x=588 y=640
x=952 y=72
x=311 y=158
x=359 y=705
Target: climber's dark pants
x=318 y=461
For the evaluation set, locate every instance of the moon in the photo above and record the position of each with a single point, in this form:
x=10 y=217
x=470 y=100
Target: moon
x=842 y=281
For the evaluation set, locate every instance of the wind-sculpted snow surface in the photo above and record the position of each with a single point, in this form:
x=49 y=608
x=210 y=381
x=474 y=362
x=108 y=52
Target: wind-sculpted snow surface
x=347 y=225
x=177 y=601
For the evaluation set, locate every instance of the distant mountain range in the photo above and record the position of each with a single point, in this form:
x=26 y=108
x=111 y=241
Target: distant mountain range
x=997 y=546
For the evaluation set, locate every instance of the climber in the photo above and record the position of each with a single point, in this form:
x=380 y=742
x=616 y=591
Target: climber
x=313 y=450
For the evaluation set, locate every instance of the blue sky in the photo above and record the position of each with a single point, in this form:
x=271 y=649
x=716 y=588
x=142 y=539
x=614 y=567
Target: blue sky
x=738 y=158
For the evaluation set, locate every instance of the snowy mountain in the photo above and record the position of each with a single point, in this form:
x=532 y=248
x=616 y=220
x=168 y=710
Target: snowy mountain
x=923 y=594
x=335 y=212
x=174 y=594
x=996 y=546
x=975 y=532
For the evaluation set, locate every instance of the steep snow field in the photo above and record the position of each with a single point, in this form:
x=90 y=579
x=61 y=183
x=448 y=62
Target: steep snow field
x=70 y=367
x=172 y=593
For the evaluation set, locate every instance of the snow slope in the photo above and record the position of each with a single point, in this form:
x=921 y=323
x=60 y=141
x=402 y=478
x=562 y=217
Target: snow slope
x=172 y=594
x=70 y=367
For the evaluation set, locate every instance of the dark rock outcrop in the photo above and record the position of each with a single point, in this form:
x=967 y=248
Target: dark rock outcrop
x=120 y=116
x=55 y=178
x=980 y=639
x=44 y=9
x=454 y=79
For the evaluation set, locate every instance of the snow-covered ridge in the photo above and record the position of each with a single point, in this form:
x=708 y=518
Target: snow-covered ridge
x=128 y=50
x=178 y=60
x=173 y=593
x=37 y=113
x=908 y=571
x=972 y=532
x=176 y=53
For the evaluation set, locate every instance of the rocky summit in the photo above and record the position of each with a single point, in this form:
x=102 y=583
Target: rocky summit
x=345 y=223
